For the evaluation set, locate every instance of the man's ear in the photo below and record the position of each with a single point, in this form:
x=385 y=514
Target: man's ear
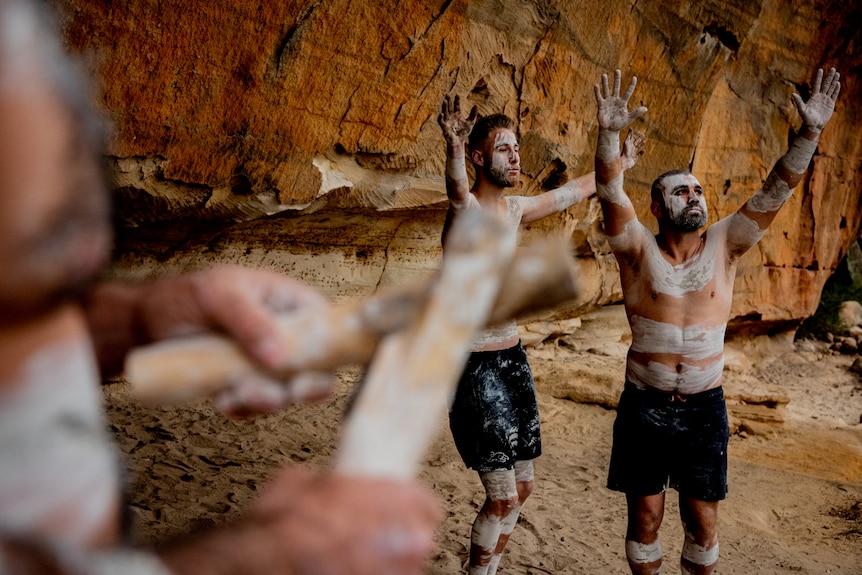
x=657 y=209
x=477 y=157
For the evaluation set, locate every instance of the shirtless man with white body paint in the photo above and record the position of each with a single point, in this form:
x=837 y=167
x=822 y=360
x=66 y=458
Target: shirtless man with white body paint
x=494 y=416
x=671 y=427
x=60 y=477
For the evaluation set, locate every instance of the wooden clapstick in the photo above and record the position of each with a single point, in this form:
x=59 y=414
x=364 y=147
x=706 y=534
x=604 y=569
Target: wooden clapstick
x=415 y=369
x=539 y=277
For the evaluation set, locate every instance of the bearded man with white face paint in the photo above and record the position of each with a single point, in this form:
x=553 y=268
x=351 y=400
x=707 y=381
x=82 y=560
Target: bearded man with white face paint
x=494 y=417
x=671 y=427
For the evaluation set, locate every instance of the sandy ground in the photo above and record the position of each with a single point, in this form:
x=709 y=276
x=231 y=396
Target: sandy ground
x=795 y=501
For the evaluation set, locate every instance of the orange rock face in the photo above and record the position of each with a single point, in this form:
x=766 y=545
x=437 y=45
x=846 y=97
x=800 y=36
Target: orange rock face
x=302 y=136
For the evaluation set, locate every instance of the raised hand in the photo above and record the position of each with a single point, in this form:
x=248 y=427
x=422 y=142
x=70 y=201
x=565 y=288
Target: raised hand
x=633 y=148
x=456 y=128
x=613 y=114
x=819 y=107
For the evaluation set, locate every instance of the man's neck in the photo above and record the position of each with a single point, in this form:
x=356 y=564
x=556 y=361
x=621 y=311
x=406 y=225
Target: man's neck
x=488 y=194
x=680 y=246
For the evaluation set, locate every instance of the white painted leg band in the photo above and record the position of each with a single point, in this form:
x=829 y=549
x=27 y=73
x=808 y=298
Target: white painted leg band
x=694 y=553
x=637 y=552
x=524 y=471
x=500 y=485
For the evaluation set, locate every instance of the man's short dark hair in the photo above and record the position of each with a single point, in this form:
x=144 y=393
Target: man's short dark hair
x=655 y=192
x=487 y=124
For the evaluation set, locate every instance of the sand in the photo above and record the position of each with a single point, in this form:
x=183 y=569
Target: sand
x=794 y=506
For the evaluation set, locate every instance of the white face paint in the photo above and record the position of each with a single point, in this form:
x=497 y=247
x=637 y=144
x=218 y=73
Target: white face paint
x=505 y=161
x=684 y=201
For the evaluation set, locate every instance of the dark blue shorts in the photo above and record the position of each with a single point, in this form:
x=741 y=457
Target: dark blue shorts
x=663 y=440
x=494 y=416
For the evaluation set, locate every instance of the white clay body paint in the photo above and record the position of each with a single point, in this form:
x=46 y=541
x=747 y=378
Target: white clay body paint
x=742 y=231
x=677 y=204
x=699 y=555
x=641 y=553
x=689 y=379
x=774 y=193
x=503 y=161
x=633 y=234
x=512 y=218
x=456 y=168
x=487 y=529
x=523 y=471
x=692 y=342
x=676 y=281
x=613 y=192
x=59 y=473
x=506 y=138
x=799 y=154
x=500 y=485
x=565 y=197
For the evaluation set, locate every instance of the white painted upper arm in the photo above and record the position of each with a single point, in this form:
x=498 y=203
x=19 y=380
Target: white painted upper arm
x=740 y=232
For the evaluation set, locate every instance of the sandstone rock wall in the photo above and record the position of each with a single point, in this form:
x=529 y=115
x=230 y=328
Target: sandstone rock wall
x=302 y=135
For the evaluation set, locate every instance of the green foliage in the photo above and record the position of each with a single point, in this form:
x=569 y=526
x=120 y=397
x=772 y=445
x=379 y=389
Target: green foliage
x=838 y=289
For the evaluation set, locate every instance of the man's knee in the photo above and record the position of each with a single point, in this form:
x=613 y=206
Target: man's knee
x=645 y=515
x=700 y=521
x=524 y=479
x=501 y=491
x=501 y=507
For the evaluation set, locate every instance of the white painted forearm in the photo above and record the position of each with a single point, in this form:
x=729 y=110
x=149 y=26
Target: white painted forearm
x=608 y=147
x=456 y=167
x=801 y=151
x=613 y=192
x=784 y=177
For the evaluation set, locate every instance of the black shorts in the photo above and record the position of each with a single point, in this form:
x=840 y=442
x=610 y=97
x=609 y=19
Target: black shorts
x=494 y=416
x=663 y=440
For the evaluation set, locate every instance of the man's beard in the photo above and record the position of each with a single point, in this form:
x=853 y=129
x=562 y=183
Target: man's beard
x=689 y=222
x=499 y=176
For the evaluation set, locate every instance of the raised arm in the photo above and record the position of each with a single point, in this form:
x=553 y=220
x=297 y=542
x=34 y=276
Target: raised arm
x=456 y=130
x=613 y=115
x=578 y=189
x=763 y=206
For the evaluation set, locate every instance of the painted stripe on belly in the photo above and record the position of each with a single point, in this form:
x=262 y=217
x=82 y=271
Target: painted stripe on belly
x=690 y=379
x=692 y=342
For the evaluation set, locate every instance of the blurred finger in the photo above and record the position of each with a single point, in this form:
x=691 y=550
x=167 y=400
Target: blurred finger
x=818 y=80
x=631 y=89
